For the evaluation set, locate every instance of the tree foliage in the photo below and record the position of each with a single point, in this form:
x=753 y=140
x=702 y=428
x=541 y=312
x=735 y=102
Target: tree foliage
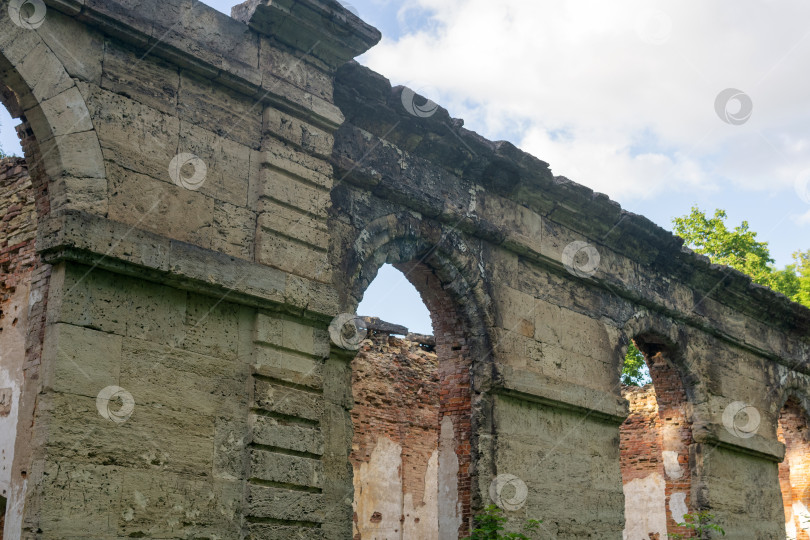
x=489 y=525
x=702 y=523
x=634 y=371
x=740 y=249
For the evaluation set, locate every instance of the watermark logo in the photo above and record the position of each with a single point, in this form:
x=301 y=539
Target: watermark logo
x=188 y=171
x=425 y=108
x=115 y=404
x=803 y=186
x=28 y=14
x=741 y=420
x=347 y=331
x=581 y=259
x=733 y=106
x=653 y=26
x=508 y=492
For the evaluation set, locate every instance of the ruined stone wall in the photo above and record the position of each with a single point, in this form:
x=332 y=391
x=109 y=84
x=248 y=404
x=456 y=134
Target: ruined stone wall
x=655 y=445
x=212 y=192
x=18 y=260
x=642 y=466
x=395 y=384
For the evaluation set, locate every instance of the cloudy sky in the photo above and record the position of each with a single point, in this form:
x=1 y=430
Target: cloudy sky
x=659 y=104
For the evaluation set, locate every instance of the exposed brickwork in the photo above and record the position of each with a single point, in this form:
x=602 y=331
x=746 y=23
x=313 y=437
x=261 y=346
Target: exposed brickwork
x=794 y=471
x=395 y=384
x=640 y=444
x=658 y=422
x=18 y=226
x=453 y=350
x=24 y=200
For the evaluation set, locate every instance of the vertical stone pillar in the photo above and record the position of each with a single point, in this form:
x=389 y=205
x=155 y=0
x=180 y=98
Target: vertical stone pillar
x=299 y=481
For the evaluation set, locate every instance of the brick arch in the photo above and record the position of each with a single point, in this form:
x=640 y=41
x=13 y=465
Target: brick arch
x=657 y=446
x=437 y=262
x=665 y=334
x=404 y=238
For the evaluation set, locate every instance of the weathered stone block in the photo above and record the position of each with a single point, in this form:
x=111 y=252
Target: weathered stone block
x=181 y=381
x=80 y=500
x=145 y=79
x=289 y=334
x=211 y=327
x=157 y=206
x=286 y=469
x=81 y=361
x=267 y=431
x=296 y=224
x=288 y=401
x=132 y=135
x=177 y=506
x=300 y=133
x=285 y=504
x=234 y=230
x=220 y=110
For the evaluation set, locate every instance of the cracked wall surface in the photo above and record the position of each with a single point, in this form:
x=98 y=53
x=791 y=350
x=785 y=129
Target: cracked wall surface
x=212 y=192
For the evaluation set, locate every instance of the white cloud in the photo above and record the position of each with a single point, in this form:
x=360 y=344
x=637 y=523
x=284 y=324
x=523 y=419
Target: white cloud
x=803 y=219
x=584 y=86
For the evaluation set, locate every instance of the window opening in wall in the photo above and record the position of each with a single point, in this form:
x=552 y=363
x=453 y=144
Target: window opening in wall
x=794 y=471
x=411 y=415
x=654 y=443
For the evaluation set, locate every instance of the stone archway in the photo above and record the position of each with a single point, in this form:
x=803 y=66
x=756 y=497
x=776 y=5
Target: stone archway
x=63 y=169
x=656 y=446
x=421 y=250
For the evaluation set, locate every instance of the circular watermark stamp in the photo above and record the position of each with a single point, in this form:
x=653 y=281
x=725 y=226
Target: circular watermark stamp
x=803 y=185
x=347 y=331
x=28 y=14
x=416 y=105
x=653 y=26
x=188 y=171
x=508 y=492
x=115 y=404
x=741 y=419
x=733 y=106
x=581 y=259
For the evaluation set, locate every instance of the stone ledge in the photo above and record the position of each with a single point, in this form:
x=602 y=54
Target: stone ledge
x=209 y=54
x=757 y=446
x=341 y=35
x=528 y=386
x=101 y=243
x=382 y=173
x=440 y=148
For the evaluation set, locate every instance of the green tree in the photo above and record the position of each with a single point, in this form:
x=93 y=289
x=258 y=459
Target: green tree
x=489 y=526
x=702 y=523
x=635 y=371
x=740 y=249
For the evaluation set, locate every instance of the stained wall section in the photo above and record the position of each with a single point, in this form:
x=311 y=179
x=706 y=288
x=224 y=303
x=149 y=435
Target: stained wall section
x=395 y=448
x=207 y=298
x=794 y=471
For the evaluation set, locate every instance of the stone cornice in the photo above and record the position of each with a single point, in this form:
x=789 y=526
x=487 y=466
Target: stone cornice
x=438 y=151
x=196 y=37
x=108 y=245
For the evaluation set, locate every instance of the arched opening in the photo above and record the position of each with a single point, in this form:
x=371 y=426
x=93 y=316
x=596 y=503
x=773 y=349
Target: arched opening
x=655 y=442
x=411 y=450
x=794 y=471
x=23 y=283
